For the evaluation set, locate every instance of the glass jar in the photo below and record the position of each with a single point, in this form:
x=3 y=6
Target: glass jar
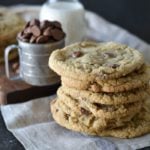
x=70 y=13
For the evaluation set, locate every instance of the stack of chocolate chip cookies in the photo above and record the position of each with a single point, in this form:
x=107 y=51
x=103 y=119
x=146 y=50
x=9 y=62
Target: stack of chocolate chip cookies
x=105 y=89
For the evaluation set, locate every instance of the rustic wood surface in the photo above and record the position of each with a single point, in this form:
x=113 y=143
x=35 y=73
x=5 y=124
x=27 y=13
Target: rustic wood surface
x=19 y=91
x=7 y=86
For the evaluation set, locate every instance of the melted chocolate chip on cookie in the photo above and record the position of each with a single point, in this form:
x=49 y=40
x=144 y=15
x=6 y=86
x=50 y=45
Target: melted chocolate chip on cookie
x=84 y=111
x=108 y=55
x=76 y=54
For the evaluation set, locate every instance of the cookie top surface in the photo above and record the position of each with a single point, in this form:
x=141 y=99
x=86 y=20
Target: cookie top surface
x=88 y=60
x=9 y=22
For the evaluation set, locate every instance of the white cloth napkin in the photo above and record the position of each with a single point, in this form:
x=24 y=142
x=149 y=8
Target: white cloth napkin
x=32 y=124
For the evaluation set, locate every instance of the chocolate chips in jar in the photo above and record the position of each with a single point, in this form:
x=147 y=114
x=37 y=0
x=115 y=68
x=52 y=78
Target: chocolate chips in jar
x=37 y=32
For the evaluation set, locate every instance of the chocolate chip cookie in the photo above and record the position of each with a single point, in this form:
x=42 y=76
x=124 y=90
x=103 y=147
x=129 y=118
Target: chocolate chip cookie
x=87 y=118
x=132 y=81
x=101 y=110
x=10 y=25
x=89 y=60
x=105 y=98
x=105 y=89
x=139 y=125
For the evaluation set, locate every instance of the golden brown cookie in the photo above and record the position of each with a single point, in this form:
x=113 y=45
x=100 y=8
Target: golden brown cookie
x=105 y=98
x=10 y=25
x=88 y=119
x=134 y=80
x=101 y=110
x=89 y=60
x=138 y=126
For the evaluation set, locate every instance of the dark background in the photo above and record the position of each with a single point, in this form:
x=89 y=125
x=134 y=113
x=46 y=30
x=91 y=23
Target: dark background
x=133 y=15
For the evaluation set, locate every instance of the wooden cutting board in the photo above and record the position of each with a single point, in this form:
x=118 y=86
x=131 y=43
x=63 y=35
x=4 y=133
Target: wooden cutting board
x=19 y=91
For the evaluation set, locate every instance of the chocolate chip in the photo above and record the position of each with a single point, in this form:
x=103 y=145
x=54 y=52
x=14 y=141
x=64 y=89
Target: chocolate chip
x=47 y=32
x=66 y=116
x=35 y=30
x=45 y=24
x=51 y=40
x=109 y=54
x=57 y=34
x=76 y=54
x=57 y=24
x=34 y=22
x=27 y=30
x=100 y=106
x=105 y=107
x=114 y=66
x=33 y=39
x=42 y=39
x=26 y=36
x=84 y=111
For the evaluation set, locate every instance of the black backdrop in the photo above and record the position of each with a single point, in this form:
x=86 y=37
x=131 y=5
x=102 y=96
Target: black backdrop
x=133 y=15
